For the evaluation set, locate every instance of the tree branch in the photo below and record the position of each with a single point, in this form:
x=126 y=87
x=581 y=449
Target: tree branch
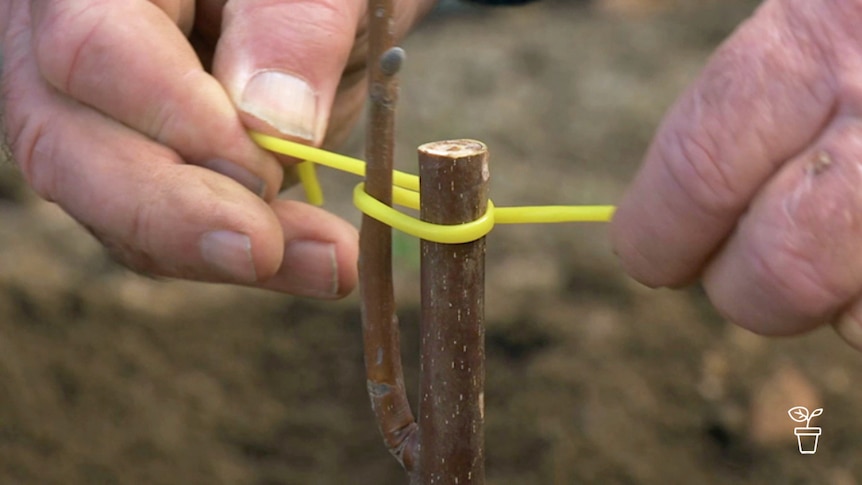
x=385 y=379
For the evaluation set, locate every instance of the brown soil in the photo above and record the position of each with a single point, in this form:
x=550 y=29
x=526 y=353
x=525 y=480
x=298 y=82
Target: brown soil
x=110 y=377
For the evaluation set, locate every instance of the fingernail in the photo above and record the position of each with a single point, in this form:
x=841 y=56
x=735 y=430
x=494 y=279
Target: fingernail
x=310 y=269
x=229 y=253
x=849 y=329
x=238 y=173
x=284 y=101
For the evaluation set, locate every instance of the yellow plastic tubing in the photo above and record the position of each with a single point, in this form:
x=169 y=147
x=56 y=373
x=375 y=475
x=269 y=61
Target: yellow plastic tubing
x=406 y=194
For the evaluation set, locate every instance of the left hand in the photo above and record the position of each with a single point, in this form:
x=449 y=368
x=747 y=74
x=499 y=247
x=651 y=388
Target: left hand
x=753 y=183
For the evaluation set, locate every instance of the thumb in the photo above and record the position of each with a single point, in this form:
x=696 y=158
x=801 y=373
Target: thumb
x=281 y=62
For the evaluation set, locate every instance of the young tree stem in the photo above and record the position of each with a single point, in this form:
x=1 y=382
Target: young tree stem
x=385 y=379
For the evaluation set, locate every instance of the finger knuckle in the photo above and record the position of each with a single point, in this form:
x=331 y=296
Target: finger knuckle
x=798 y=278
x=330 y=16
x=692 y=162
x=64 y=38
x=124 y=252
x=33 y=149
x=128 y=240
x=27 y=132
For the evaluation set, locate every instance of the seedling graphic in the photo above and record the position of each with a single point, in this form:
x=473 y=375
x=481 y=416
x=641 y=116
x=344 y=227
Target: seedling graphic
x=806 y=436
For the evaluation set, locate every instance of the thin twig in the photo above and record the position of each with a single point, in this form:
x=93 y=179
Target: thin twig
x=379 y=322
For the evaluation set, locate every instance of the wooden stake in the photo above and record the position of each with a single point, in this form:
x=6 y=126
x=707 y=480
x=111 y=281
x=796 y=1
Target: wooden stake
x=454 y=186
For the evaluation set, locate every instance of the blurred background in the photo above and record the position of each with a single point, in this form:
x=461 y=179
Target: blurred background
x=110 y=377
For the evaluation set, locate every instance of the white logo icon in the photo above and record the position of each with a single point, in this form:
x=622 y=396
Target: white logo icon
x=807 y=436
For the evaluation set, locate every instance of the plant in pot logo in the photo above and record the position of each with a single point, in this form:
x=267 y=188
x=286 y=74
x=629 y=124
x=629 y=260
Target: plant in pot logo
x=806 y=436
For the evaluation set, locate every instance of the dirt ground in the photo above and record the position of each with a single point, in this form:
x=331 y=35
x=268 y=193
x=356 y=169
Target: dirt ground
x=109 y=377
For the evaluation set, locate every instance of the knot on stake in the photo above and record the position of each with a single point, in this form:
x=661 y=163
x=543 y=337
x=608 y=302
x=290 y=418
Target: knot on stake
x=439 y=233
x=405 y=192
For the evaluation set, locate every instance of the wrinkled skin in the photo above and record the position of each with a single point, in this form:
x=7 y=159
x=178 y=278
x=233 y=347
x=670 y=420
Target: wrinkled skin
x=751 y=184
x=111 y=114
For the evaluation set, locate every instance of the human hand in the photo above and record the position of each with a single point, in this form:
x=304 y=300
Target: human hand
x=111 y=114
x=754 y=181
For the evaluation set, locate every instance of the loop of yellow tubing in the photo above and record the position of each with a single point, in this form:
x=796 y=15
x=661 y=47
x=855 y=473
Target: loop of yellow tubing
x=405 y=192
x=448 y=234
